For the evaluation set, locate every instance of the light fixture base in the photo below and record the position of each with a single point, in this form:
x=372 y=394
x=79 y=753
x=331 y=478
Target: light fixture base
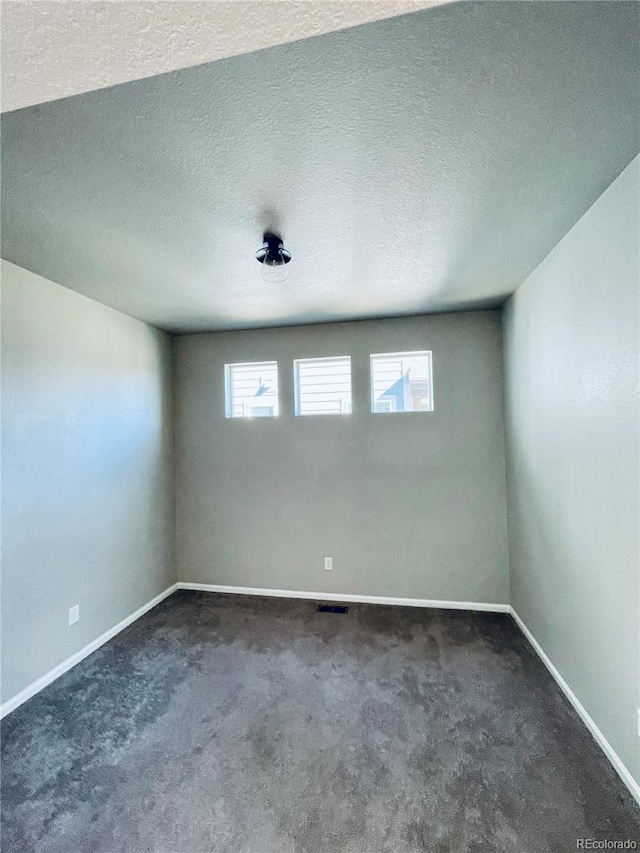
x=273 y=250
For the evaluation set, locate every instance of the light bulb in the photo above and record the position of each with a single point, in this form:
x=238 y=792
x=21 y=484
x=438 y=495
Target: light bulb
x=273 y=269
x=273 y=256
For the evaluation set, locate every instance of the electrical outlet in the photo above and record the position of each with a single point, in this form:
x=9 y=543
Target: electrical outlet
x=328 y=563
x=74 y=614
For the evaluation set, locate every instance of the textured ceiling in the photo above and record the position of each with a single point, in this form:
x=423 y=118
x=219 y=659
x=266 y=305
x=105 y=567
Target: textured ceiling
x=417 y=164
x=56 y=48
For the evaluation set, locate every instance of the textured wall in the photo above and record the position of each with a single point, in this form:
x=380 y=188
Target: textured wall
x=61 y=48
x=87 y=504
x=572 y=333
x=407 y=504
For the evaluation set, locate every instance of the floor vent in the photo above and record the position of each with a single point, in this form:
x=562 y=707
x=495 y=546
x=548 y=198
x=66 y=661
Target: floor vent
x=332 y=608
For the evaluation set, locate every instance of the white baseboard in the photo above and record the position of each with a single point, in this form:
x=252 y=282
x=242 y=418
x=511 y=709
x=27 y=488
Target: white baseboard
x=65 y=666
x=586 y=718
x=347 y=597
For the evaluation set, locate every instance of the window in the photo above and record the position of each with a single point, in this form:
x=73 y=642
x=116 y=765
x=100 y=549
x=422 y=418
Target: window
x=251 y=390
x=401 y=382
x=323 y=385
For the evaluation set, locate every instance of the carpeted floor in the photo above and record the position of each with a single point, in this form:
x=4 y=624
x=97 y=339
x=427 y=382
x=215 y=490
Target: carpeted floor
x=229 y=724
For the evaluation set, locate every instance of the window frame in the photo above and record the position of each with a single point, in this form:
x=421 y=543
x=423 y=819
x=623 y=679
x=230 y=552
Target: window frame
x=229 y=393
x=401 y=355
x=296 y=386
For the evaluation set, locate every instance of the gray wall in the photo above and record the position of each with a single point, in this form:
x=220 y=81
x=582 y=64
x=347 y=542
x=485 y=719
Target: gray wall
x=407 y=504
x=571 y=340
x=87 y=507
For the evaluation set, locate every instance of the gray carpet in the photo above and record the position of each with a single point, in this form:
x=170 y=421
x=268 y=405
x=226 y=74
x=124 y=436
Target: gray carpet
x=228 y=724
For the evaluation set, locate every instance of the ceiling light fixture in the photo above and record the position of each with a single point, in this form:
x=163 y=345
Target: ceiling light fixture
x=273 y=256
